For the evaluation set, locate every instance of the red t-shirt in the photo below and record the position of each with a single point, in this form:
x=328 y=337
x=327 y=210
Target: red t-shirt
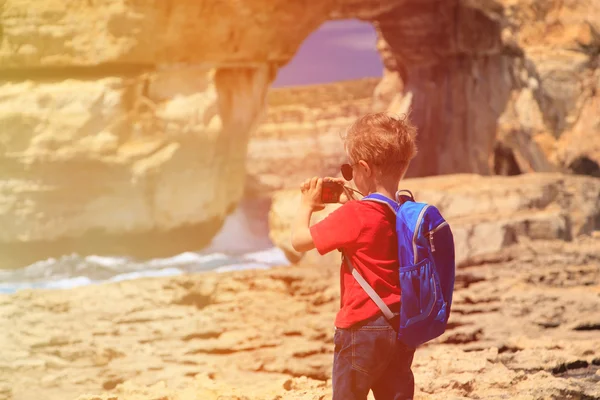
x=365 y=231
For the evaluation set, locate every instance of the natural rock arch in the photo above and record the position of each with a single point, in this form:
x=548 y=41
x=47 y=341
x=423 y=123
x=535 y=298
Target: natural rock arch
x=148 y=131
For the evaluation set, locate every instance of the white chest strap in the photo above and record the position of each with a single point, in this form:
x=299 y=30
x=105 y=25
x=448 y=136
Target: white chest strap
x=367 y=288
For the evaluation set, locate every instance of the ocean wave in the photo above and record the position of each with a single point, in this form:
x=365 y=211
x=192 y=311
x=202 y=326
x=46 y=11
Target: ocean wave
x=74 y=271
x=272 y=256
x=9 y=288
x=146 y=274
x=242 y=244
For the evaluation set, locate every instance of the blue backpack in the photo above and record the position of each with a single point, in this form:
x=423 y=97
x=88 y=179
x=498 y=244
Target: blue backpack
x=427 y=269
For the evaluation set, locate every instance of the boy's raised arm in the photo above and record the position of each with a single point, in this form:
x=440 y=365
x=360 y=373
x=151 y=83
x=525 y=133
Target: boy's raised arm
x=311 y=201
x=301 y=238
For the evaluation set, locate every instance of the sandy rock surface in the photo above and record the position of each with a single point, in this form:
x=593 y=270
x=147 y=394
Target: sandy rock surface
x=524 y=325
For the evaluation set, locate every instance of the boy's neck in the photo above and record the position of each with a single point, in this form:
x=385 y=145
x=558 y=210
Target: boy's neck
x=388 y=190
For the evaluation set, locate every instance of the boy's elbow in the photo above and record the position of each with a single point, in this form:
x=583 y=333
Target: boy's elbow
x=297 y=245
x=302 y=244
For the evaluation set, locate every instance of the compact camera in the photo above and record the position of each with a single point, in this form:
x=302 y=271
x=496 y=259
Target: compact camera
x=331 y=192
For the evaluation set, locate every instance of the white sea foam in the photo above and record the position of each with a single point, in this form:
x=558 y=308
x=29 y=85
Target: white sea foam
x=146 y=274
x=185 y=258
x=68 y=283
x=108 y=262
x=241 y=267
x=273 y=256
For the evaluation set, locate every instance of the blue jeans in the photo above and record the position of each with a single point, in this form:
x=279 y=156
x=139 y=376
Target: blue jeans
x=368 y=356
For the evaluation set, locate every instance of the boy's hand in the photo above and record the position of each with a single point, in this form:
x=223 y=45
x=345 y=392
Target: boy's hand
x=347 y=195
x=311 y=193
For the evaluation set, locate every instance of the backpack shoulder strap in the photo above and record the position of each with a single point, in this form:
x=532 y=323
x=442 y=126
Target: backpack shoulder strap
x=379 y=198
x=402 y=198
x=367 y=288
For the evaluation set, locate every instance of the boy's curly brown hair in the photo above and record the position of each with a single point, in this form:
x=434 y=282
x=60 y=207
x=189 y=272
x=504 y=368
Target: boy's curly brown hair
x=385 y=142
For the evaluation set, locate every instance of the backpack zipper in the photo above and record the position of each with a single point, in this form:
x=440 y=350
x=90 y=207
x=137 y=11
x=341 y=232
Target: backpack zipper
x=421 y=214
x=434 y=230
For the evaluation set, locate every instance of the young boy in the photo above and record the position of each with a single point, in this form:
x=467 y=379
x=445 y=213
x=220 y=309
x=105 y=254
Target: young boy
x=367 y=355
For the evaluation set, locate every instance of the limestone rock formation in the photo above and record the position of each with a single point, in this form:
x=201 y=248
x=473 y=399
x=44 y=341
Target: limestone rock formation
x=115 y=138
x=150 y=33
x=518 y=80
x=115 y=164
x=449 y=58
x=486 y=214
x=552 y=119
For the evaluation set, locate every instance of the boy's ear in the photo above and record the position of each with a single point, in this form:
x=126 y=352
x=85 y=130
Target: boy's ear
x=367 y=167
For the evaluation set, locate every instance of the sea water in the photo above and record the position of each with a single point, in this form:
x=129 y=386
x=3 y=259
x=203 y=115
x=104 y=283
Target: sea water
x=242 y=243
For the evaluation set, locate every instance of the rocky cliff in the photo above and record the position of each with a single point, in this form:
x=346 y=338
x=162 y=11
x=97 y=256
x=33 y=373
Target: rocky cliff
x=141 y=165
x=125 y=125
x=496 y=86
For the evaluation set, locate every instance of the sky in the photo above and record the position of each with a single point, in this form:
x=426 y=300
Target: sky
x=337 y=51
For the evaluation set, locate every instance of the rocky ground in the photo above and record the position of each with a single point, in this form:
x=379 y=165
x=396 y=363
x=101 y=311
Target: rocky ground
x=525 y=324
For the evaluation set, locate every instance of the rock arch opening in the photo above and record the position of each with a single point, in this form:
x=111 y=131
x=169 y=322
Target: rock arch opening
x=326 y=85
x=338 y=50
